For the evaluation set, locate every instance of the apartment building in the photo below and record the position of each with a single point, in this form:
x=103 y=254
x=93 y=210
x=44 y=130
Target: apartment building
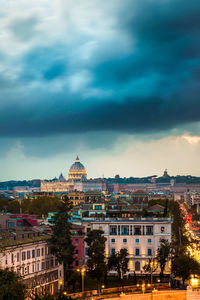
x=34 y=262
x=140 y=236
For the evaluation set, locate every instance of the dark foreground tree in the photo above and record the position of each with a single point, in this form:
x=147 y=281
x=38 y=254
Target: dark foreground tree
x=96 y=258
x=11 y=286
x=61 y=243
x=120 y=262
x=46 y=296
x=162 y=256
x=183 y=266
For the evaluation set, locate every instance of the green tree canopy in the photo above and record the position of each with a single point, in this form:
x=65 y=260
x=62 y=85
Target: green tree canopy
x=96 y=257
x=11 y=286
x=61 y=243
x=40 y=205
x=120 y=262
x=183 y=266
x=163 y=253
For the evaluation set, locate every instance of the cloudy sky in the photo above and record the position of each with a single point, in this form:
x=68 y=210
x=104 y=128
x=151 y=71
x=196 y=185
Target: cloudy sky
x=116 y=82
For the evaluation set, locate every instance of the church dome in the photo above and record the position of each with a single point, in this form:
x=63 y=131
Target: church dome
x=77 y=171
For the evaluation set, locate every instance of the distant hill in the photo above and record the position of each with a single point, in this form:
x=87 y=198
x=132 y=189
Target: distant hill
x=10 y=184
x=186 y=179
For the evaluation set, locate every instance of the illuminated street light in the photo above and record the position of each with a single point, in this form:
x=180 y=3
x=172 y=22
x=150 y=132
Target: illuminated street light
x=60 y=282
x=194 y=281
x=143 y=288
x=82 y=271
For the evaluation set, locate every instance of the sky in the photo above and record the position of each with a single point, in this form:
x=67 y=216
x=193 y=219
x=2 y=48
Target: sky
x=116 y=82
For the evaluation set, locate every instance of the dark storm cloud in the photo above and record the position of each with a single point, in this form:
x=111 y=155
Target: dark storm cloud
x=154 y=86
x=24 y=28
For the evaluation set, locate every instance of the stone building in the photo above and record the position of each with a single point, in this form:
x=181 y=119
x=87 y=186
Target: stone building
x=140 y=236
x=33 y=261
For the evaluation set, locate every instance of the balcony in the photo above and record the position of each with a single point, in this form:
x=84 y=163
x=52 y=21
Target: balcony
x=113 y=233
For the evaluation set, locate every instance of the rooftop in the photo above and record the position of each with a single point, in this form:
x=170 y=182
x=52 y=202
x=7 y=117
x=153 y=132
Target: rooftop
x=9 y=242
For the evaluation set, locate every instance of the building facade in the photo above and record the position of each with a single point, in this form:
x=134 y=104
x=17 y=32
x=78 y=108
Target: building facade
x=33 y=261
x=141 y=237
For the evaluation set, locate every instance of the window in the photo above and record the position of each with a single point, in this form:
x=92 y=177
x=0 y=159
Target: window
x=76 y=263
x=38 y=252
x=137 y=230
x=43 y=265
x=113 y=230
x=11 y=224
x=33 y=268
x=98 y=207
x=12 y=258
x=33 y=253
x=149 y=230
x=125 y=230
x=52 y=262
x=28 y=254
x=86 y=251
x=149 y=253
x=76 y=251
x=47 y=264
x=124 y=240
x=137 y=241
x=38 y=267
x=112 y=240
x=42 y=251
x=162 y=229
x=149 y=241
x=76 y=241
x=23 y=255
x=137 y=266
x=6 y=260
x=17 y=256
x=137 y=251
x=27 y=269
x=113 y=251
x=22 y=270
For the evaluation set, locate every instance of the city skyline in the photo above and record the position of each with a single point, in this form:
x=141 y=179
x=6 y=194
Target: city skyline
x=115 y=82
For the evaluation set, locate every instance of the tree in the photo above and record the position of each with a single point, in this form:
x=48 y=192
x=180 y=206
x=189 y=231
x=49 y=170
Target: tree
x=178 y=225
x=61 y=243
x=163 y=255
x=46 y=296
x=14 y=206
x=166 y=208
x=40 y=205
x=96 y=258
x=11 y=286
x=183 y=266
x=120 y=262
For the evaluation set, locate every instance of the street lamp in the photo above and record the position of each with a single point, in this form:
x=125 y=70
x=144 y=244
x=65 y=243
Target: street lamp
x=153 y=267
x=194 y=281
x=143 y=287
x=82 y=271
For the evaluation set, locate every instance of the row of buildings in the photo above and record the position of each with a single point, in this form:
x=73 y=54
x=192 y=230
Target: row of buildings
x=77 y=179
x=25 y=244
x=121 y=211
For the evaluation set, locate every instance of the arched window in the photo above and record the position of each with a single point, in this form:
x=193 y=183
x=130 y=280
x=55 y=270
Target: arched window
x=137 y=266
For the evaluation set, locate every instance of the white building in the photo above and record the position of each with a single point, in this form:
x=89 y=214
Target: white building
x=140 y=236
x=34 y=262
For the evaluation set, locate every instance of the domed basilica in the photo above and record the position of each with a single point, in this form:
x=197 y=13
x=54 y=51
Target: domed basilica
x=77 y=171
